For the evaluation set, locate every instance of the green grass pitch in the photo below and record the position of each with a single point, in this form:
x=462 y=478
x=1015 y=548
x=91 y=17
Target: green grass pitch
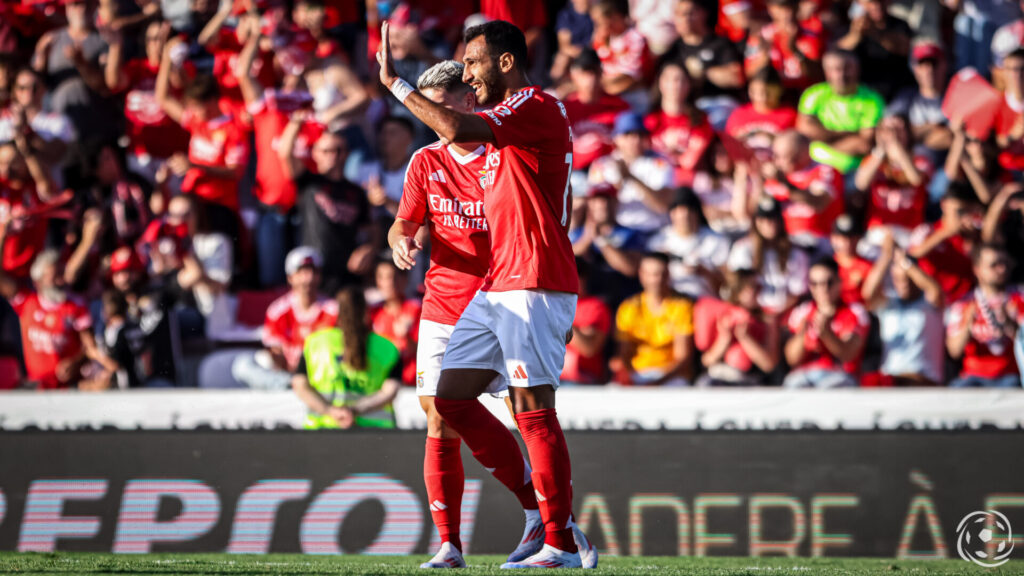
x=89 y=564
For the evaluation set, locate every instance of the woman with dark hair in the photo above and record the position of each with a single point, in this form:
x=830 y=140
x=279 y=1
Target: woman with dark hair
x=742 y=346
x=679 y=130
x=349 y=375
x=767 y=250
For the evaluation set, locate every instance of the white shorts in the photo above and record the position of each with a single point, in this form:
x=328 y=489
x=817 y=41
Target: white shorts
x=519 y=334
x=433 y=341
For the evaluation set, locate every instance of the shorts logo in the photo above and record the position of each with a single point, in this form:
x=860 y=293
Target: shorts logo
x=519 y=373
x=419 y=379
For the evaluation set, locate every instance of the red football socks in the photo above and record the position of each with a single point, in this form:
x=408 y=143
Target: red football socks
x=492 y=445
x=445 y=480
x=552 y=474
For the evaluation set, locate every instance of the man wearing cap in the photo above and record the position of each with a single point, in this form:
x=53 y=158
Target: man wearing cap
x=611 y=249
x=289 y=320
x=923 y=105
x=697 y=252
x=644 y=179
x=840 y=114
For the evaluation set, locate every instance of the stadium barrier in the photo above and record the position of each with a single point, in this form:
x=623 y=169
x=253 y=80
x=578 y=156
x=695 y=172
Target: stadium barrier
x=580 y=408
x=794 y=493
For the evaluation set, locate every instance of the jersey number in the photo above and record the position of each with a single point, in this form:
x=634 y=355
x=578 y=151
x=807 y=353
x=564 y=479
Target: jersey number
x=565 y=195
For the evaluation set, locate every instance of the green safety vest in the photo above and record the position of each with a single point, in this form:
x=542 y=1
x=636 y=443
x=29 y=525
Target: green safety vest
x=340 y=384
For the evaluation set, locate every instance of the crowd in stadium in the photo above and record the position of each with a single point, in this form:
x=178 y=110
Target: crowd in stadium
x=764 y=192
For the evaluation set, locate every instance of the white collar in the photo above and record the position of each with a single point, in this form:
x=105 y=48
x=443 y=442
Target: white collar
x=468 y=157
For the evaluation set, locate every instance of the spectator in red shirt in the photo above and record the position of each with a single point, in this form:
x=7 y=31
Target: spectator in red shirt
x=756 y=124
x=787 y=45
x=396 y=317
x=218 y=147
x=895 y=183
x=585 y=361
x=1010 y=119
x=290 y=319
x=943 y=249
x=853 y=269
x=678 y=129
x=591 y=110
x=739 y=344
x=981 y=327
x=56 y=331
x=811 y=194
x=827 y=334
x=270 y=110
x=50 y=134
x=623 y=51
x=153 y=135
x=25 y=186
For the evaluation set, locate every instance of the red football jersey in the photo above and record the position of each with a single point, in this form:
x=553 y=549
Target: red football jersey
x=758 y=130
x=894 y=202
x=49 y=334
x=849 y=319
x=445 y=190
x=26 y=237
x=527 y=196
x=226 y=52
x=287 y=327
x=949 y=263
x=680 y=140
x=801 y=218
x=592 y=127
x=219 y=142
x=808 y=41
x=591 y=312
x=270 y=116
x=851 y=278
x=150 y=130
x=989 y=353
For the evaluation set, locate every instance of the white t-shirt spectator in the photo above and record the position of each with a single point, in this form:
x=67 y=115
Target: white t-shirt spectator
x=912 y=338
x=653 y=170
x=392 y=181
x=776 y=286
x=705 y=249
x=653 y=19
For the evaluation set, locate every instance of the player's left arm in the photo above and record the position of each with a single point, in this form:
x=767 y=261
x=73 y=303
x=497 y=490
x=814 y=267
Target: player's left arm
x=452 y=126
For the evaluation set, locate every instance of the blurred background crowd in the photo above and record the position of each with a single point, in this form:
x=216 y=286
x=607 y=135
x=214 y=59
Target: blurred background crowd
x=765 y=192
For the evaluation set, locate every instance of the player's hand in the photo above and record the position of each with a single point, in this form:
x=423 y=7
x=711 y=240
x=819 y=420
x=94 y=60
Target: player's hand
x=405 y=251
x=387 y=66
x=342 y=416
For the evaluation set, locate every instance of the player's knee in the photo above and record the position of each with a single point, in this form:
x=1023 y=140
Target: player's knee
x=436 y=426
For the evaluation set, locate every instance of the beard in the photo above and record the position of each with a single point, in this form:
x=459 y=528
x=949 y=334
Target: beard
x=54 y=295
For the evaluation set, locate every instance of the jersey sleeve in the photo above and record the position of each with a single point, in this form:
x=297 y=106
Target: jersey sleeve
x=413 y=205
x=811 y=99
x=683 y=318
x=874 y=107
x=523 y=120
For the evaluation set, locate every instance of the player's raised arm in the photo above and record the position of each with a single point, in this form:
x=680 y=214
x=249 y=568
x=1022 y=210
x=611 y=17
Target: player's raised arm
x=452 y=126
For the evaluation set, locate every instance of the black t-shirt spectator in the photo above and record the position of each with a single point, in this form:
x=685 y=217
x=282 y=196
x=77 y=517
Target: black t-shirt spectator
x=126 y=344
x=332 y=213
x=713 y=51
x=884 y=71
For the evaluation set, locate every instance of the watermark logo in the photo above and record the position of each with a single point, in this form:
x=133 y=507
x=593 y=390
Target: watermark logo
x=975 y=532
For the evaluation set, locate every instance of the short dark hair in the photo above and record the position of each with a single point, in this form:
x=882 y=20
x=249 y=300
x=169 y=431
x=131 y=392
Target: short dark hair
x=659 y=256
x=588 y=60
x=501 y=37
x=401 y=121
x=962 y=191
x=202 y=88
x=843 y=53
x=609 y=7
x=768 y=75
x=827 y=262
x=977 y=250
